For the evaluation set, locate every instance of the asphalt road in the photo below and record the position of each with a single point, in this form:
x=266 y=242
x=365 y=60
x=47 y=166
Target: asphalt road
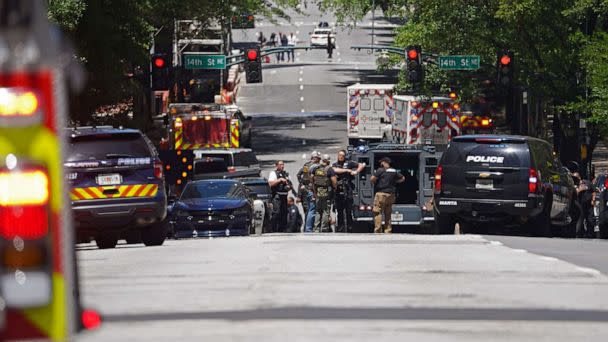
x=336 y=287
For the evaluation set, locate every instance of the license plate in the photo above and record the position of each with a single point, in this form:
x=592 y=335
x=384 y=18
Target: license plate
x=109 y=179
x=397 y=217
x=484 y=184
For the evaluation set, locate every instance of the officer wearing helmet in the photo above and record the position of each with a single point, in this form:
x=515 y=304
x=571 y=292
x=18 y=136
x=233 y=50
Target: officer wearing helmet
x=324 y=183
x=305 y=192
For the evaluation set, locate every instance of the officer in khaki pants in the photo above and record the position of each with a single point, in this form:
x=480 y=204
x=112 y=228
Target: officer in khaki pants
x=385 y=180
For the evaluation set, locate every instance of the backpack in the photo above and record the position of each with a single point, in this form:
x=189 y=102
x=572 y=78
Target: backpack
x=321 y=181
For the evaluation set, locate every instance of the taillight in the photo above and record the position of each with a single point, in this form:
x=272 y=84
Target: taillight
x=231 y=169
x=438 y=173
x=25 y=224
x=533 y=181
x=606 y=183
x=158 y=169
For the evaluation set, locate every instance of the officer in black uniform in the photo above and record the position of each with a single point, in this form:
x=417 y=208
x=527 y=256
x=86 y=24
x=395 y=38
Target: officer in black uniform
x=346 y=170
x=281 y=186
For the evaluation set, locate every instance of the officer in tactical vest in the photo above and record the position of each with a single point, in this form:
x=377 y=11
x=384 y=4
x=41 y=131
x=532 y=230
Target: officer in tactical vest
x=345 y=170
x=281 y=186
x=324 y=183
x=306 y=192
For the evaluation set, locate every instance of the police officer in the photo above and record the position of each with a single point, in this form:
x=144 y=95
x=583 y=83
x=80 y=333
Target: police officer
x=281 y=186
x=324 y=182
x=306 y=192
x=345 y=170
x=385 y=180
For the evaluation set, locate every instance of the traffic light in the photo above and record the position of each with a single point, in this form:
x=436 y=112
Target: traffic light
x=243 y=21
x=161 y=71
x=415 y=72
x=253 y=65
x=504 y=66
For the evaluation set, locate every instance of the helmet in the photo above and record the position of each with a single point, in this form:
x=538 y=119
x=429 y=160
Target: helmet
x=326 y=157
x=315 y=154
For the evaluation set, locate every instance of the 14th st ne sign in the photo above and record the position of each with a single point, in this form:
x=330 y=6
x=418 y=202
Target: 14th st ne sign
x=204 y=61
x=458 y=62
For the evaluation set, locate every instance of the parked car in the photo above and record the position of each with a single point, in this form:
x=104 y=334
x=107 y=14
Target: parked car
x=262 y=194
x=117 y=189
x=225 y=163
x=496 y=179
x=212 y=207
x=318 y=37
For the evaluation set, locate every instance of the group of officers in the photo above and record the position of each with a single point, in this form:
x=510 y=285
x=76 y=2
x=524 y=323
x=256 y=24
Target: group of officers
x=323 y=184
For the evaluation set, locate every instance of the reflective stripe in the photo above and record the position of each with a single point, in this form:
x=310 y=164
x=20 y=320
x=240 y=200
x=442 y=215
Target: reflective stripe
x=123 y=191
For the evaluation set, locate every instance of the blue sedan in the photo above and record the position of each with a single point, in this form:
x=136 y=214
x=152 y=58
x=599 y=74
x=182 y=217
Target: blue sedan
x=213 y=207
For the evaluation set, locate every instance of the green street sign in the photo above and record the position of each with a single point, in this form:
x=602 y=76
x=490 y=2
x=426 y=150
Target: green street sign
x=202 y=61
x=458 y=62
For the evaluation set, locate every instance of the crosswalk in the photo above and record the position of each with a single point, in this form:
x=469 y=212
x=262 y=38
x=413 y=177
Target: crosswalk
x=351 y=24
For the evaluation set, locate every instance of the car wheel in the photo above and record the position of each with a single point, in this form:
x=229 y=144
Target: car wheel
x=444 y=224
x=541 y=224
x=106 y=241
x=572 y=229
x=133 y=237
x=155 y=234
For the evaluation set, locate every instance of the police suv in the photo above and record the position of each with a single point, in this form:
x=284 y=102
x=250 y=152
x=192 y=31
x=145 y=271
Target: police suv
x=513 y=180
x=117 y=186
x=416 y=162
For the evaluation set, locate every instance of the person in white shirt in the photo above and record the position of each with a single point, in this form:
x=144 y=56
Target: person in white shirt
x=292 y=41
x=281 y=185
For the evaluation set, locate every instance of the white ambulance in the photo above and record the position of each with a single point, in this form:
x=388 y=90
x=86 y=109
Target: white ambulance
x=425 y=121
x=370 y=112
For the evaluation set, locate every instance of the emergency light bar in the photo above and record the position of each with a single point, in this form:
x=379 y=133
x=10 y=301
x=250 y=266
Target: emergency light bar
x=18 y=102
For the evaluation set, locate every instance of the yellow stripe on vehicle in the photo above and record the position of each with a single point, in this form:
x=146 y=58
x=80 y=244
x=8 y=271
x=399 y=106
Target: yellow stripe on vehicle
x=124 y=191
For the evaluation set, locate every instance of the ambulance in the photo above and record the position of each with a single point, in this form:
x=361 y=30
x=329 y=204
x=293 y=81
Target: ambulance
x=370 y=112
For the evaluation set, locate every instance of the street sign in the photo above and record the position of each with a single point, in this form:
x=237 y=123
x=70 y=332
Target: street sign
x=458 y=62
x=203 y=61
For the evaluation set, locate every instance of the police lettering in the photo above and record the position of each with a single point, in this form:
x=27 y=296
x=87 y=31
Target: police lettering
x=485 y=159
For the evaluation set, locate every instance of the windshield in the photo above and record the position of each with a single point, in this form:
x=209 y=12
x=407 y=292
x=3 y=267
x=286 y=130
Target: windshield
x=208 y=190
x=260 y=189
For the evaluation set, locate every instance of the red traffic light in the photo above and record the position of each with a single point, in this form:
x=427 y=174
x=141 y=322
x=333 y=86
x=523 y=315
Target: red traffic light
x=505 y=60
x=412 y=54
x=159 y=62
x=252 y=55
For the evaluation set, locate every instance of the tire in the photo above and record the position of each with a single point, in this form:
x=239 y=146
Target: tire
x=541 y=225
x=572 y=229
x=155 y=234
x=444 y=224
x=133 y=237
x=106 y=241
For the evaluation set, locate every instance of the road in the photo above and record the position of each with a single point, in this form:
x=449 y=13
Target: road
x=337 y=287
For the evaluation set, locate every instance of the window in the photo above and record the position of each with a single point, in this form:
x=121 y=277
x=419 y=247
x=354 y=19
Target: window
x=442 y=120
x=96 y=147
x=378 y=104
x=245 y=159
x=427 y=119
x=366 y=104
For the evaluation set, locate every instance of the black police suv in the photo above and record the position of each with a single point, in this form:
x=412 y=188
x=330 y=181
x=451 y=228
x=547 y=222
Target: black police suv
x=117 y=186
x=495 y=179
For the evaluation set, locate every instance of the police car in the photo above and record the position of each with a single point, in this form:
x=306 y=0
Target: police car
x=117 y=186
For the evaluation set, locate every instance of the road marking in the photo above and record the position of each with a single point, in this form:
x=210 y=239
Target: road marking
x=299 y=54
x=303 y=110
x=272 y=72
x=301 y=98
x=339 y=59
x=301 y=86
x=548 y=258
x=300 y=79
x=303 y=126
x=519 y=250
x=301 y=72
x=495 y=243
x=303 y=141
x=588 y=270
x=338 y=53
x=297 y=32
x=304 y=156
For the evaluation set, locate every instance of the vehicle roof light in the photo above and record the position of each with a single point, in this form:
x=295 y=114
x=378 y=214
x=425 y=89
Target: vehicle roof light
x=24 y=188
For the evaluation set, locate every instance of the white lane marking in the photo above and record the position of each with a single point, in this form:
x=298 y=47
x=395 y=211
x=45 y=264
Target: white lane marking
x=301 y=72
x=548 y=258
x=297 y=32
x=304 y=156
x=303 y=126
x=588 y=270
x=302 y=110
x=303 y=141
x=300 y=79
x=299 y=54
x=301 y=98
x=337 y=47
x=339 y=59
x=301 y=86
x=495 y=243
x=272 y=72
x=338 y=53
x=519 y=250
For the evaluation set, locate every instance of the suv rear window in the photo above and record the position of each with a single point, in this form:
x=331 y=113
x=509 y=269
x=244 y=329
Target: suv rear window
x=487 y=154
x=104 y=146
x=227 y=157
x=210 y=165
x=245 y=159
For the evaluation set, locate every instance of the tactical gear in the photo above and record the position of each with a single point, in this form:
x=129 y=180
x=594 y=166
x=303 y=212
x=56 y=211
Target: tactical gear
x=305 y=173
x=282 y=188
x=321 y=181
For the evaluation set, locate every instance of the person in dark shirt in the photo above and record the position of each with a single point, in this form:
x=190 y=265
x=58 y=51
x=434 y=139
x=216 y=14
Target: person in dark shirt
x=345 y=170
x=294 y=219
x=385 y=181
